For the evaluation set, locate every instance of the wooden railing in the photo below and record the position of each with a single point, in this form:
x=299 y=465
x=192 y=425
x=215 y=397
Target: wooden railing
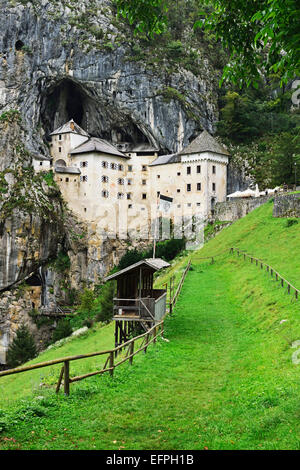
x=270 y=269
x=174 y=296
x=146 y=339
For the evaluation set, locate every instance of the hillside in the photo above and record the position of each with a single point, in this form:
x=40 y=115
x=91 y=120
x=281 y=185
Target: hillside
x=224 y=380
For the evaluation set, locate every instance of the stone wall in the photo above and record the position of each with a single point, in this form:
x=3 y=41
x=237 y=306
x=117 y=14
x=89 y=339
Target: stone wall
x=237 y=208
x=287 y=205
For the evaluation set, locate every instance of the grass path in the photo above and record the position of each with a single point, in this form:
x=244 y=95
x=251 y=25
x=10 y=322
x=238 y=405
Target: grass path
x=216 y=384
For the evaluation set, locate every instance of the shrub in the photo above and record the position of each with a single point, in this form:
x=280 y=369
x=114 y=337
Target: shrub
x=106 y=302
x=22 y=348
x=62 y=330
x=291 y=222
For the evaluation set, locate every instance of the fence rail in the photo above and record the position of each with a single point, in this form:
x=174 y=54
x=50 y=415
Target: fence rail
x=147 y=338
x=174 y=296
x=283 y=282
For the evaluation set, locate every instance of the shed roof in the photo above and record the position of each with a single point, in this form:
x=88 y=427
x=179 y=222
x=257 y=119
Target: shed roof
x=70 y=126
x=204 y=143
x=154 y=263
x=95 y=144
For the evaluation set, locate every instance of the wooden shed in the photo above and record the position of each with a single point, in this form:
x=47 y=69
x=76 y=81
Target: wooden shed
x=137 y=301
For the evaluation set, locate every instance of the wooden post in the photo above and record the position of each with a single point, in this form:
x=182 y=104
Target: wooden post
x=147 y=341
x=170 y=300
x=111 y=363
x=60 y=379
x=67 y=378
x=131 y=351
x=154 y=335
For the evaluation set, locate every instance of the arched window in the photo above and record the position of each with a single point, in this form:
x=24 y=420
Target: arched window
x=60 y=163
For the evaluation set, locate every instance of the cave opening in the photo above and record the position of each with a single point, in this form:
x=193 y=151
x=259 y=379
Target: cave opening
x=61 y=103
x=19 y=45
x=68 y=100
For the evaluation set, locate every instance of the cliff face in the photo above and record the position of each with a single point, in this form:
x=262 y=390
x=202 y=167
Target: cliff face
x=59 y=62
x=68 y=59
x=62 y=60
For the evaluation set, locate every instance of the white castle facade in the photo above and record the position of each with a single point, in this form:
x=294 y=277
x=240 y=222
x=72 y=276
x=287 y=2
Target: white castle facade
x=117 y=187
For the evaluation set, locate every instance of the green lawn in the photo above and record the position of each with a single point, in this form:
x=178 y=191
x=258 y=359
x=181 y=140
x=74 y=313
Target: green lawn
x=225 y=378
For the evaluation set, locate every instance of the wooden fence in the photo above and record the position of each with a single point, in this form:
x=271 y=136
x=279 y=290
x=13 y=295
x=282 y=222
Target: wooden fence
x=174 y=296
x=270 y=269
x=146 y=339
x=110 y=364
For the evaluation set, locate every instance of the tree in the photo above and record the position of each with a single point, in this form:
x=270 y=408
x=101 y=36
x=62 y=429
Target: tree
x=147 y=16
x=22 y=348
x=106 y=302
x=262 y=36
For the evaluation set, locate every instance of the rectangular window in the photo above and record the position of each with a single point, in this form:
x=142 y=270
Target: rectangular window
x=67 y=180
x=214 y=186
x=120 y=195
x=214 y=169
x=105 y=193
x=83 y=178
x=104 y=164
x=144 y=167
x=41 y=163
x=59 y=137
x=83 y=164
x=198 y=186
x=188 y=187
x=129 y=182
x=144 y=196
x=178 y=174
x=113 y=166
x=120 y=181
x=178 y=190
x=104 y=179
x=198 y=168
x=188 y=170
x=120 y=167
x=158 y=176
x=198 y=204
x=128 y=195
x=144 y=182
x=129 y=167
x=59 y=149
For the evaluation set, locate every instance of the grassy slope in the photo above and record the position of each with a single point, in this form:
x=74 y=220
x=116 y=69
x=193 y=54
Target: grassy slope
x=225 y=380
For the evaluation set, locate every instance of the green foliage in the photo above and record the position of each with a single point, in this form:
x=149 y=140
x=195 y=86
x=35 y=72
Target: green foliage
x=166 y=250
x=62 y=263
x=63 y=330
x=105 y=302
x=291 y=222
x=146 y=16
x=13 y=115
x=22 y=348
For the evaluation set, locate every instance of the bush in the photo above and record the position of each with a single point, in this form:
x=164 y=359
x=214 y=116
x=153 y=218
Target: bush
x=106 y=302
x=291 y=222
x=62 y=330
x=22 y=348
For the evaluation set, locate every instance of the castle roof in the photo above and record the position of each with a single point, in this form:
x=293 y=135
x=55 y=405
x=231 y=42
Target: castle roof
x=70 y=126
x=164 y=159
x=94 y=144
x=204 y=143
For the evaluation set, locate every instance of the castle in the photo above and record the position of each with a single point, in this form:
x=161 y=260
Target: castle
x=118 y=187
